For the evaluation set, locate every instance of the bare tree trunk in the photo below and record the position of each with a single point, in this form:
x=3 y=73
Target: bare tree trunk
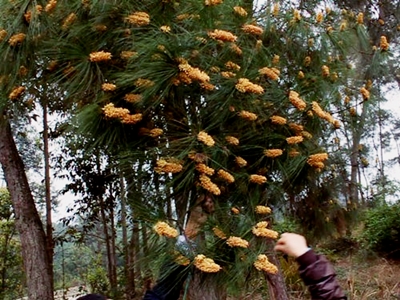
x=46 y=154
x=33 y=239
x=129 y=280
x=276 y=282
x=113 y=257
x=204 y=288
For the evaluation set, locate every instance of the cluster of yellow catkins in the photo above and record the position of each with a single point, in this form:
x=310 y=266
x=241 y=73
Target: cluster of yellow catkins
x=263 y=264
x=188 y=73
x=208 y=185
x=245 y=86
x=241 y=162
x=296 y=100
x=259 y=179
x=278 y=120
x=162 y=228
x=232 y=140
x=205 y=264
x=50 y=6
x=16 y=93
x=219 y=233
x=323 y=114
x=155 y=132
x=139 y=18
x=294 y=139
x=99 y=56
x=205 y=138
x=203 y=169
x=384 y=45
x=127 y=54
x=212 y=2
x=164 y=166
x=252 y=29
x=132 y=98
x=144 y=83
x=262 y=210
x=108 y=87
x=261 y=230
x=272 y=153
x=112 y=112
x=271 y=73
x=226 y=176
x=317 y=160
x=244 y=114
x=222 y=35
x=234 y=241
x=240 y=11
x=17 y=39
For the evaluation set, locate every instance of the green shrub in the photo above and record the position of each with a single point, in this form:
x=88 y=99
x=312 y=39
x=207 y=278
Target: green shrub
x=382 y=230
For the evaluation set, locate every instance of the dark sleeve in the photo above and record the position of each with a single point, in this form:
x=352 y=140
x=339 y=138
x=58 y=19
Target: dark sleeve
x=319 y=276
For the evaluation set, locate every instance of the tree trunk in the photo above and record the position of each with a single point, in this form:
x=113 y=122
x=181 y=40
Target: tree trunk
x=128 y=266
x=33 y=239
x=276 y=282
x=204 y=287
x=46 y=154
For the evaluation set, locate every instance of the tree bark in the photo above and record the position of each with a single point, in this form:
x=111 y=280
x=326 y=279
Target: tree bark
x=46 y=155
x=276 y=282
x=33 y=239
x=204 y=288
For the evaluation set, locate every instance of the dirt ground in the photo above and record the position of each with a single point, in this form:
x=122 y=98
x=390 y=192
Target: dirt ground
x=369 y=279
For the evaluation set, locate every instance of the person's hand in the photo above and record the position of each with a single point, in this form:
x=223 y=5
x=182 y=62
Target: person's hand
x=292 y=244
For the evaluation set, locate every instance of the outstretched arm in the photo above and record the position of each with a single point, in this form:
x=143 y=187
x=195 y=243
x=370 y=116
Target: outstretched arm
x=315 y=270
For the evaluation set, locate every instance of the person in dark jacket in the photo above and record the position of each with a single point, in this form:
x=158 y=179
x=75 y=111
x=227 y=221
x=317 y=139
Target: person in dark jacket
x=315 y=270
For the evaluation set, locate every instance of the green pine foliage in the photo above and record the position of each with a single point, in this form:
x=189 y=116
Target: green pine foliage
x=175 y=86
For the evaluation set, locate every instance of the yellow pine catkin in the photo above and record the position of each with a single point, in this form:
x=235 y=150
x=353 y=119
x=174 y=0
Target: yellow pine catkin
x=272 y=153
x=205 y=138
x=50 y=6
x=156 y=132
x=17 y=39
x=99 y=56
x=252 y=29
x=297 y=101
x=278 y=120
x=222 y=35
x=240 y=11
x=232 y=66
x=208 y=185
x=235 y=210
x=232 y=140
x=247 y=115
x=259 y=179
x=271 y=73
x=163 y=229
x=226 y=176
x=204 y=169
x=127 y=54
x=139 y=18
x=165 y=29
x=262 y=210
x=262 y=264
x=365 y=93
x=164 y=166
x=205 y=264
x=240 y=161
x=219 y=233
x=294 y=139
x=234 y=241
x=245 y=86
x=317 y=160
x=212 y=2
x=133 y=98
x=261 y=230
x=384 y=45
x=108 y=87
x=16 y=93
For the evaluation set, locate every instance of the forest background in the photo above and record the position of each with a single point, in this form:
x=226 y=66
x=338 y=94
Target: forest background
x=156 y=103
